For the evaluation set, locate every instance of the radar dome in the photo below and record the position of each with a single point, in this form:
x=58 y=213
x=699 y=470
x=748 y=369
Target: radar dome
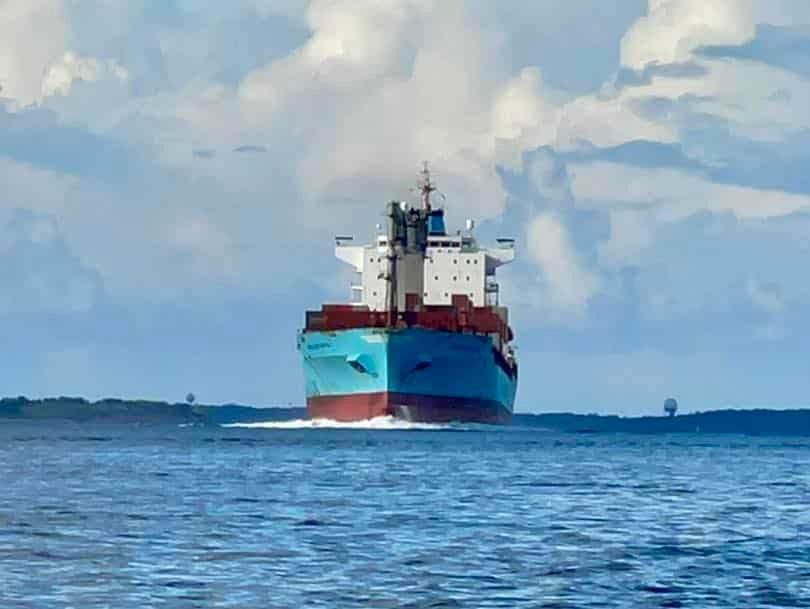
x=190 y=398
x=671 y=406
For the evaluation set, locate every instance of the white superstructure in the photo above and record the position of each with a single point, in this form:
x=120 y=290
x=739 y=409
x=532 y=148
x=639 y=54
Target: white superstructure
x=431 y=272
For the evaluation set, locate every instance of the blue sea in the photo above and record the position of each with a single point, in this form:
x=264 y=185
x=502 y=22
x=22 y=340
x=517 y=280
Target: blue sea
x=296 y=515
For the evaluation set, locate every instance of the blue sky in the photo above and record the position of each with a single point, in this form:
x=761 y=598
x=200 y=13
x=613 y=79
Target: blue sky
x=172 y=174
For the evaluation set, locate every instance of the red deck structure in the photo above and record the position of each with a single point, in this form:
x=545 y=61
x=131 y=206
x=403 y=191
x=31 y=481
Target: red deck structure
x=460 y=317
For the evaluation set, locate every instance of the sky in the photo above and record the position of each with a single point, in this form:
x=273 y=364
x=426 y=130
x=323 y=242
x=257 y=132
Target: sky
x=172 y=175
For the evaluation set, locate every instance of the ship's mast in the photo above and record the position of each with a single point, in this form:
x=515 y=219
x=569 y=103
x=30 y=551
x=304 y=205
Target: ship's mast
x=399 y=239
x=426 y=187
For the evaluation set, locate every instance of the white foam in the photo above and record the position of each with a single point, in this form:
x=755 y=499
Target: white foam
x=382 y=423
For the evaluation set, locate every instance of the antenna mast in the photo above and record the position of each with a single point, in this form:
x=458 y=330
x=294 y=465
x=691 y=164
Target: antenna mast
x=426 y=187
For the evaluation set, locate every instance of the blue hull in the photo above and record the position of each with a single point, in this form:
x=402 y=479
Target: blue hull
x=413 y=373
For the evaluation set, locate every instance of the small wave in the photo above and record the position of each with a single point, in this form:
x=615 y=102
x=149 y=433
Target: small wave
x=384 y=423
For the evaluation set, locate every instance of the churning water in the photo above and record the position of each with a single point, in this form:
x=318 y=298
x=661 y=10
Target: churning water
x=378 y=423
x=310 y=516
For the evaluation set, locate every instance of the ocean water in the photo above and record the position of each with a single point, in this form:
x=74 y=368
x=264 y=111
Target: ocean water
x=303 y=515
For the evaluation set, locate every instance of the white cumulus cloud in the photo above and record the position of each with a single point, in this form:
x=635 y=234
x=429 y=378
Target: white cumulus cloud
x=672 y=29
x=675 y=194
x=32 y=37
x=523 y=116
x=570 y=284
x=71 y=68
x=379 y=87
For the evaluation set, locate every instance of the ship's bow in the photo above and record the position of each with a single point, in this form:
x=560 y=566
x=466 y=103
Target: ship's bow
x=413 y=374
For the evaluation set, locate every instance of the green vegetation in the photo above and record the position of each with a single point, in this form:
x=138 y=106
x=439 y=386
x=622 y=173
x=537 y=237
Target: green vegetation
x=79 y=409
x=113 y=410
x=751 y=422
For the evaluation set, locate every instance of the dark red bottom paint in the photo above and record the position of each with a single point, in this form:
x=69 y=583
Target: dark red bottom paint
x=411 y=407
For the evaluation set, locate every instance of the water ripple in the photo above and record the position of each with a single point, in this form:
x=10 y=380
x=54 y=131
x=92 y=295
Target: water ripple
x=308 y=516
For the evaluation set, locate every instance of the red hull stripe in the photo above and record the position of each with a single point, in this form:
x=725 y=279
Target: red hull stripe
x=412 y=407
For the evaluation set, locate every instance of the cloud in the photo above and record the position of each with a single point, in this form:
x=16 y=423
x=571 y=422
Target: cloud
x=657 y=170
x=767 y=298
x=351 y=43
x=794 y=13
x=71 y=68
x=778 y=46
x=549 y=177
x=251 y=149
x=523 y=117
x=35 y=136
x=38 y=271
x=34 y=59
x=627 y=77
x=539 y=34
x=674 y=195
x=570 y=285
x=632 y=235
x=672 y=29
x=375 y=90
x=675 y=79
x=211 y=250
x=33 y=35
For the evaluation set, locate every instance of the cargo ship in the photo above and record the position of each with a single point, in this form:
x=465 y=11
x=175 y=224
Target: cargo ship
x=424 y=337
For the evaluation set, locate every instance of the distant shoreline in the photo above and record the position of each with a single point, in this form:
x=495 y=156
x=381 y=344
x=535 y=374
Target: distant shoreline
x=112 y=410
